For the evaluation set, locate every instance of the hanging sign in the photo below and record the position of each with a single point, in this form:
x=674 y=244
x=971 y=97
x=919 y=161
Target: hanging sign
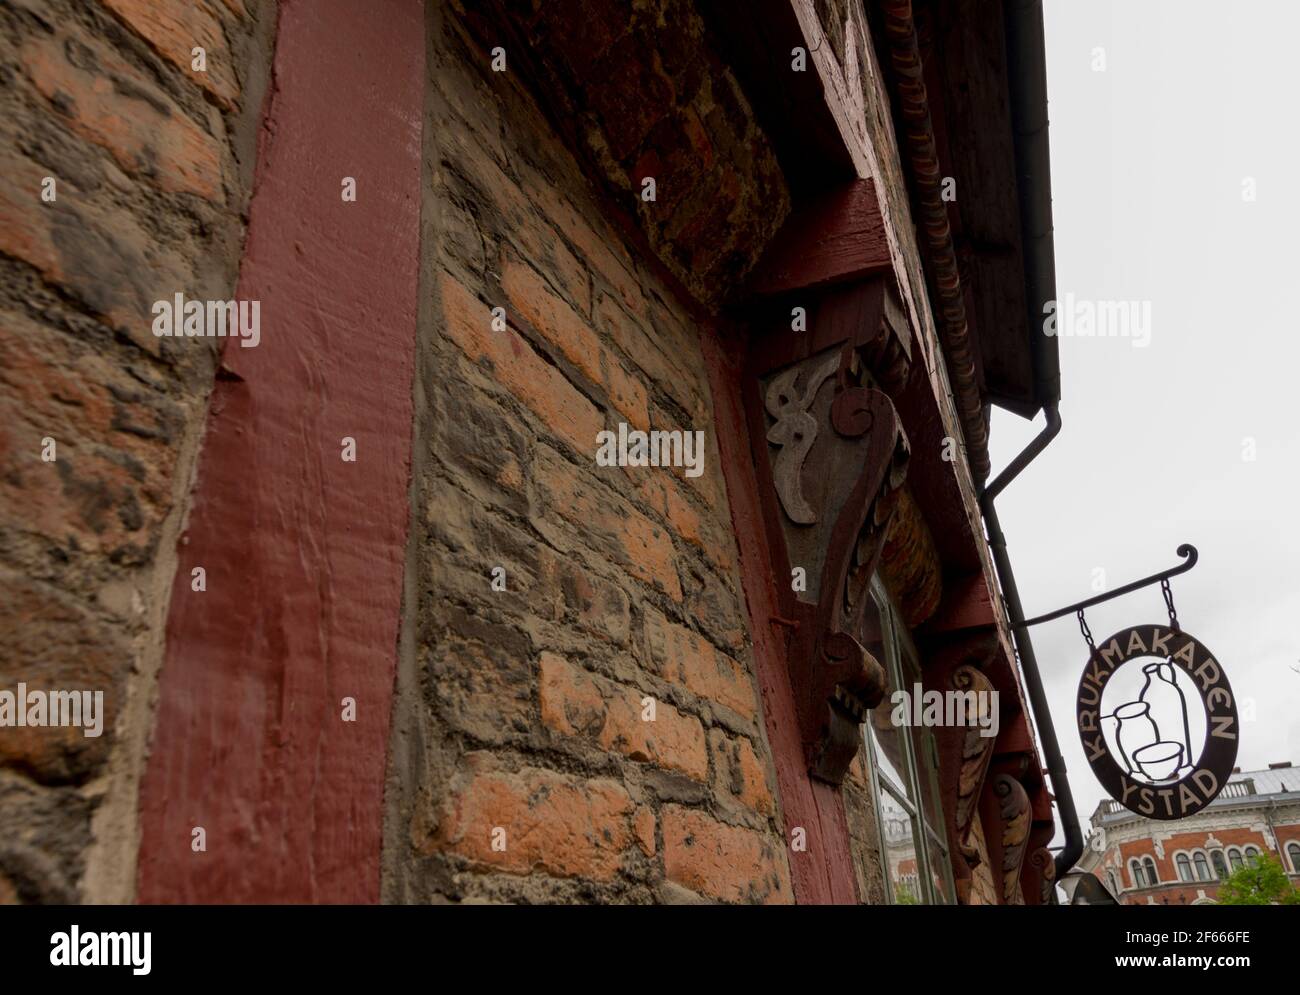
x=1142 y=749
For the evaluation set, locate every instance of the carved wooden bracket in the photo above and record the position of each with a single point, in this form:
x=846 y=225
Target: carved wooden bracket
x=1039 y=876
x=831 y=454
x=964 y=754
x=1005 y=816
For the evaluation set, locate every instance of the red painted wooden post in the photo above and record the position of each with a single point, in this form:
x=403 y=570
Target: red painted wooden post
x=303 y=552
x=824 y=872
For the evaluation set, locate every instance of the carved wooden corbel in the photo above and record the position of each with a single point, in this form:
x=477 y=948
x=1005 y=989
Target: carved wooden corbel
x=964 y=754
x=831 y=454
x=1039 y=876
x=1005 y=815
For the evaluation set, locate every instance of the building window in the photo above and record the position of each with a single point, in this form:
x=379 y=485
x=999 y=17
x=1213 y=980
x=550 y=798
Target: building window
x=1251 y=852
x=1293 y=855
x=1152 y=877
x=1137 y=873
x=1202 y=867
x=904 y=770
x=1184 y=864
x=1234 y=859
x=1220 y=868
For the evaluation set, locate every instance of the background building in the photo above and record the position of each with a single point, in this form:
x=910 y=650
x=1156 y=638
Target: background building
x=1146 y=862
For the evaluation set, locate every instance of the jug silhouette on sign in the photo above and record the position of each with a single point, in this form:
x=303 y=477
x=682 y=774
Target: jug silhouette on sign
x=1153 y=733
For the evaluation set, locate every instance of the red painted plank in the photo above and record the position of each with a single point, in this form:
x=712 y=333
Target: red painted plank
x=824 y=873
x=304 y=553
x=838 y=238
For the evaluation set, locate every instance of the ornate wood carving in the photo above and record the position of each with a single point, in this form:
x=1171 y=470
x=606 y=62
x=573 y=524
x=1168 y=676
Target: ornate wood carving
x=1039 y=876
x=1004 y=811
x=976 y=752
x=964 y=755
x=831 y=454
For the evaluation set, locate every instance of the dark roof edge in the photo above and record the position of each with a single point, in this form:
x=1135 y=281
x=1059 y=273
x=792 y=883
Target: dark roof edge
x=1027 y=85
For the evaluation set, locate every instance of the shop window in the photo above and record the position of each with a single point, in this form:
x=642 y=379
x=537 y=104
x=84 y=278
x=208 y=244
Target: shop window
x=903 y=762
x=1184 y=864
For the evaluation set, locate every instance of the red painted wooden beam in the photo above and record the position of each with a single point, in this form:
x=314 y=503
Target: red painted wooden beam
x=837 y=238
x=304 y=552
x=823 y=874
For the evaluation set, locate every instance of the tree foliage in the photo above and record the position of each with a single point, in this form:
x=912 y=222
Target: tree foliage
x=1262 y=881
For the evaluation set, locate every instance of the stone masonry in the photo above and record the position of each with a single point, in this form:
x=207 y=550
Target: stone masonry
x=522 y=710
x=152 y=164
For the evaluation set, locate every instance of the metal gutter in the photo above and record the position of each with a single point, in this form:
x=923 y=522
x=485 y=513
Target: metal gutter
x=1027 y=86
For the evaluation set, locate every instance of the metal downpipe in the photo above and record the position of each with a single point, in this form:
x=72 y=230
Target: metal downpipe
x=1065 y=860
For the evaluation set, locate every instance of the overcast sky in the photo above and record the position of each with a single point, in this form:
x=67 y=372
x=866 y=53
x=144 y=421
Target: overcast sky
x=1149 y=157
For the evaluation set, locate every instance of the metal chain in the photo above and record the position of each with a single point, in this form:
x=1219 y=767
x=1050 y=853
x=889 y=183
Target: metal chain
x=1087 y=633
x=1169 y=603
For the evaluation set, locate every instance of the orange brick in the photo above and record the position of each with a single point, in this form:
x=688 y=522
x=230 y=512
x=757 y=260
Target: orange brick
x=646 y=548
x=665 y=495
x=25 y=221
x=738 y=773
x=525 y=229
x=519 y=370
x=174 y=28
x=600 y=606
x=580 y=704
x=643 y=824
x=687 y=658
x=126 y=275
x=604 y=252
x=724 y=862
x=568 y=331
x=110 y=485
x=51 y=643
x=148 y=137
x=561 y=825
x=644 y=348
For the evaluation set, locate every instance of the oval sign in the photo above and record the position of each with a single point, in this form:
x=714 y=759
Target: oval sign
x=1149 y=769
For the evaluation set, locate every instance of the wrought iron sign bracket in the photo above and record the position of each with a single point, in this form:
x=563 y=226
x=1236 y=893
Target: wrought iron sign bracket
x=1187 y=551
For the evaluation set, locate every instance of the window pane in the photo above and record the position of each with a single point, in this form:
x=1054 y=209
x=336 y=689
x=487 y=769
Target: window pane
x=1220 y=868
x=887 y=744
x=899 y=833
x=940 y=869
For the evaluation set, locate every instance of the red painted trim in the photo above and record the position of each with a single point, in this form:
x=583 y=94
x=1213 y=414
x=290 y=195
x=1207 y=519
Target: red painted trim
x=304 y=553
x=824 y=873
x=838 y=238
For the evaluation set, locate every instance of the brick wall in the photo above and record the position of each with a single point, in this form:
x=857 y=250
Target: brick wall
x=522 y=767
x=1170 y=887
x=151 y=164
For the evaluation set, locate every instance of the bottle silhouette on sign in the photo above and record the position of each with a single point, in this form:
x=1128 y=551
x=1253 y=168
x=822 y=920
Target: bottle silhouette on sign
x=1168 y=709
